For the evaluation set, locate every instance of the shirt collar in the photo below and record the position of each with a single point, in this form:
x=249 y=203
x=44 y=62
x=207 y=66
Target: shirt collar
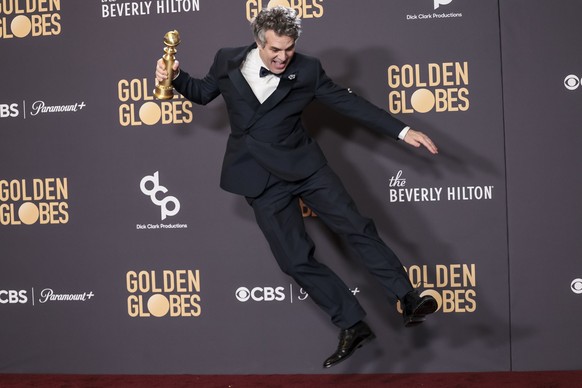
x=254 y=59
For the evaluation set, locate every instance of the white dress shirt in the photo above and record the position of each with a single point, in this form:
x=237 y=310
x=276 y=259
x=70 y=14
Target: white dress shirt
x=263 y=87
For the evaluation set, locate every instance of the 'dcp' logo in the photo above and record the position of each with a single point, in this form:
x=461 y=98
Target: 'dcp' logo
x=166 y=210
x=438 y=3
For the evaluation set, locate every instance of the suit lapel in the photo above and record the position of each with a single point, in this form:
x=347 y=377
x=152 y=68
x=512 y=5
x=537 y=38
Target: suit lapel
x=238 y=80
x=283 y=89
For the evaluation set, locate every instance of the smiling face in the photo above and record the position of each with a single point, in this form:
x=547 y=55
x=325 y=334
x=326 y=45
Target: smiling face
x=277 y=52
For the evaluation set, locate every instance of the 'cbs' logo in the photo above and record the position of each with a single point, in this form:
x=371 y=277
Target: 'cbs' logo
x=572 y=82
x=438 y=3
x=8 y=110
x=13 y=296
x=576 y=286
x=162 y=203
x=260 y=294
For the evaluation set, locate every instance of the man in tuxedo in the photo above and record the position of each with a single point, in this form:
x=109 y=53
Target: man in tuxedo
x=272 y=161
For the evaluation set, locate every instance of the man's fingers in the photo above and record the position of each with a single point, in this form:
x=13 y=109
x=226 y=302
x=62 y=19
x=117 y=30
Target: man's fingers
x=416 y=139
x=161 y=73
x=429 y=145
x=425 y=140
x=161 y=64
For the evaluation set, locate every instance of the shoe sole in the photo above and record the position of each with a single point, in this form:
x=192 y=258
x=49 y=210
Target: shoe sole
x=429 y=306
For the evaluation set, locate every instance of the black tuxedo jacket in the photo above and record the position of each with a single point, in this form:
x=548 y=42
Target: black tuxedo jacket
x=269 y=138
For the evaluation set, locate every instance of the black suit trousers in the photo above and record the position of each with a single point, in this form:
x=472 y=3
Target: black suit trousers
x=279 y=216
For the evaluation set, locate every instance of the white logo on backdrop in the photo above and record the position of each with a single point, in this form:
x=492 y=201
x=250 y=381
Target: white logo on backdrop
x=436 y=14
x=572 y=82
x=260 y=294
x=13 y=296
x=438 y=3
x=48 y=295
x=162 y=203
x=398 y=191
x=277 y=294
x=576 y=286
x=41 y=107
x=9 y=110
x=119 y=10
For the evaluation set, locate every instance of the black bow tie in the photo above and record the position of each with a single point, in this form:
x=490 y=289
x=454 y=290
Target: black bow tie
x=265 y=72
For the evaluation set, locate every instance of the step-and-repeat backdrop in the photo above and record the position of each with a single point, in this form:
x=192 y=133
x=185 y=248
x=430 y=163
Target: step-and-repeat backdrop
x=120 y=254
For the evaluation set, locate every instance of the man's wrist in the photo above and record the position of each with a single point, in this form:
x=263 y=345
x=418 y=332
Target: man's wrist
x=403 y=133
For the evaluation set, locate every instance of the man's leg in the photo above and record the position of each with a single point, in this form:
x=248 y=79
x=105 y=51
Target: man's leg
x=326 y=196
x=280 y=219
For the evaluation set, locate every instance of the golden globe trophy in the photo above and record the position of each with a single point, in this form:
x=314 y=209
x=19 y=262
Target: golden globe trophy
x=164 y=89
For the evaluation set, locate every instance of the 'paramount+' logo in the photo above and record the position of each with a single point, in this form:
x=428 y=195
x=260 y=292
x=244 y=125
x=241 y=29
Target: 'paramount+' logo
x=163 y=293
x=49 y=295
x=422 y=88
x=23 y=18
x=40 y=107
x=452 y=285
x=306 y=9
x=138 y=105
x=40 y=200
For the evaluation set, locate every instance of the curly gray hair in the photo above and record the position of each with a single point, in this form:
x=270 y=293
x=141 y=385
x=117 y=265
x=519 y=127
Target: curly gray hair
x=282 y=20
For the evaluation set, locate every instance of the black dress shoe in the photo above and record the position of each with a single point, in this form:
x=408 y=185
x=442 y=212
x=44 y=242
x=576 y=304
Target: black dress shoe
x=349 y=340
x=416 y=308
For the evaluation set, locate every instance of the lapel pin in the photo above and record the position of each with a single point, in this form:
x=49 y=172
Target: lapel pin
x=291 y=77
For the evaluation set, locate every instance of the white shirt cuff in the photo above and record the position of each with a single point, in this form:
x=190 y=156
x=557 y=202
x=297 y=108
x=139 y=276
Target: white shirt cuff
x=403 y=133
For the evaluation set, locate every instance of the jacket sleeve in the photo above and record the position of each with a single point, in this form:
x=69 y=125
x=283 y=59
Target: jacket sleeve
x=199 y=91
x=358 y=108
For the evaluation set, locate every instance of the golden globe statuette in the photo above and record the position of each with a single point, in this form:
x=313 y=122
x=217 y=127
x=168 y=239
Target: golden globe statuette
x=164 y=89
